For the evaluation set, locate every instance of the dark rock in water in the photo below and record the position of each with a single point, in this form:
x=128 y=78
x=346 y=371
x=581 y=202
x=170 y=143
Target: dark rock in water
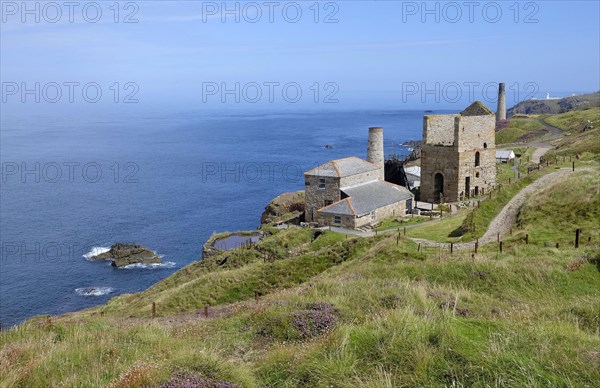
x=328 y=146
x=123 y=254
x=412 y=143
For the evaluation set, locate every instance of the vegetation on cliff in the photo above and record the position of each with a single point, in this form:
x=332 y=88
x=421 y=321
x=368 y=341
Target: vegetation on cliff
x=336 y=310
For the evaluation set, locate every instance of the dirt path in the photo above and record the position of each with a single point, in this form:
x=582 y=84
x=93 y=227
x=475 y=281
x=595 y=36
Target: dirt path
x=544 y=146
x=504 y=220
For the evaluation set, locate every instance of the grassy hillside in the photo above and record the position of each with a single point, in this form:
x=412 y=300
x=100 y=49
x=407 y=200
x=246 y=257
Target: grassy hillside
x=341 y=311
x=582 y=134
x=566 y=104
x=576 y=121
x=519 y=129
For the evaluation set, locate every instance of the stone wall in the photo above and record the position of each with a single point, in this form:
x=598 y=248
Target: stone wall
x=475 y=132
x=438 y=129
x=315 y=197
x=442 y=160
x=328 y=220
x=358 y=179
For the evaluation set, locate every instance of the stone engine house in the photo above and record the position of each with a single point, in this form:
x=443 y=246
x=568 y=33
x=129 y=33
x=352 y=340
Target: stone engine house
x=352 y=193
x=458 y=157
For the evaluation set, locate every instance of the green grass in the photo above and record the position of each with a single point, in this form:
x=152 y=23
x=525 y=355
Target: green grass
x=442 y=230
x=394 y=223
x=401 y=320
x=517 y=128
x=575 y=121
x=582 y=130
x=563 y=207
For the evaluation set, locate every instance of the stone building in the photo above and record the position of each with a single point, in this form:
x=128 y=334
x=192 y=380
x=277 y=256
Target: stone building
x=351 y=192
x=458 y=156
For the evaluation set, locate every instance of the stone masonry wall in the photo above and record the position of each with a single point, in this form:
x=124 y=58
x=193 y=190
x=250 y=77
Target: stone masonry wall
x=358 y=179
x=438 y=129
x=315 y=197
x=443 y=160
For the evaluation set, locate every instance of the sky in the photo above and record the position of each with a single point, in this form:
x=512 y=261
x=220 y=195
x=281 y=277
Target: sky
x=350 y=54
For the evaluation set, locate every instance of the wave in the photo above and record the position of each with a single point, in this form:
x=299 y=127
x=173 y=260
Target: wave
x=93 y=291
x=166 y=264
x=96 y=251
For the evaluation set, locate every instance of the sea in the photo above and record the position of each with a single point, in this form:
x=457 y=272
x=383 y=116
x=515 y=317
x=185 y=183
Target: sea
x=74 y=183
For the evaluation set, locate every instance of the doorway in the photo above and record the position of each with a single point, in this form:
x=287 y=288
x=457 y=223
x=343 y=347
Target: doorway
x=468 y=186
x=438 y=184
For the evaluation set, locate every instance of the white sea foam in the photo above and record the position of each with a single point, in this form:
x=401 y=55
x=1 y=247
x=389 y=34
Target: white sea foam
x=166 y=264
x=95 y=252
x=93 y=291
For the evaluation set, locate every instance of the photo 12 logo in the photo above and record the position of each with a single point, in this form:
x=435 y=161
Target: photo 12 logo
x=252 y=172
x=269 y=92
x=53 y=12
x=454 y=92
x=270 y=12
x=70 y=172
x=69 y=92
x=43 y=252
x=469 y=11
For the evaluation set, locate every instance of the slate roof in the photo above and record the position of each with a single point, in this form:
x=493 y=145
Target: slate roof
x=505 y=154
x=365 y=198
x=414 y=170
x=477 y=109
x=343 y=167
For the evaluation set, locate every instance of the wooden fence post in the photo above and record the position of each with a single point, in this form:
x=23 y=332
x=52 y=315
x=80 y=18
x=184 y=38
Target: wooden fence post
x=153 y=309
x=577 y=232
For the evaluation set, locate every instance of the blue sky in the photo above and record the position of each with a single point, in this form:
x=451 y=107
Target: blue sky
x=372 y=50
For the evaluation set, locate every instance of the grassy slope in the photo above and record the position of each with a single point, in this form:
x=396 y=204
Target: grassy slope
x=576 y=120
x=516 y=128
x=581 y=139
x=402 y=321
x=404 y=317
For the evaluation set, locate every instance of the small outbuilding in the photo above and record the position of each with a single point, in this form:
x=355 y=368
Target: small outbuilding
x=413 y=177
x=504 y=156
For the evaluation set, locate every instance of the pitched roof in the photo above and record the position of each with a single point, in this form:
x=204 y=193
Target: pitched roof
x=414 y=170
x=477 y=109
x=340 y=207
x=343 y=167
x=505 y=154
x=365 y=198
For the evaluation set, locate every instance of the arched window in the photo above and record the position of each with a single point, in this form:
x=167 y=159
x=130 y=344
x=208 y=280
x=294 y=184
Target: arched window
x=477 y=159
x=485 y=145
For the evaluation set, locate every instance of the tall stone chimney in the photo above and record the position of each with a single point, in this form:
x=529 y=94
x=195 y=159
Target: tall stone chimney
x=375 y=148
x=501 y=112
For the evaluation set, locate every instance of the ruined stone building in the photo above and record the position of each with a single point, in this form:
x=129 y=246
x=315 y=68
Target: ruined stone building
x=352 y=193
x=458 y=156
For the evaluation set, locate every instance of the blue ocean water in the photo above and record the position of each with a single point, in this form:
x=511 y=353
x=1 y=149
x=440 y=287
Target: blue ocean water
x=163 y=180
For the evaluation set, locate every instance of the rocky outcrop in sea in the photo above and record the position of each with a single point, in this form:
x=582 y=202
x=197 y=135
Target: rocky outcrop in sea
x=122 y=254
